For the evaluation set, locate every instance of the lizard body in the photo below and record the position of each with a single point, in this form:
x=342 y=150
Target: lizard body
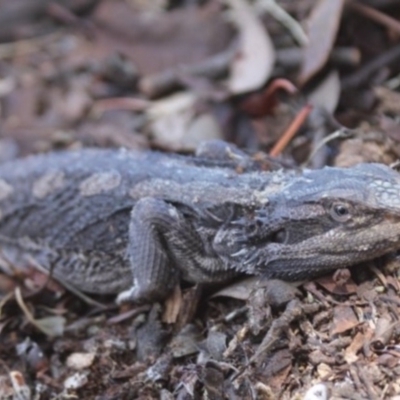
x=135 y=223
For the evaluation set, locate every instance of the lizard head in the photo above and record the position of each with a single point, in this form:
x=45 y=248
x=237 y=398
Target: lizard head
x=325 y=219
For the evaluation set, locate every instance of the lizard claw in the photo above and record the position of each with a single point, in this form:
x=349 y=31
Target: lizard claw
x=127 y=296
x=240 y=253
x=139 y=293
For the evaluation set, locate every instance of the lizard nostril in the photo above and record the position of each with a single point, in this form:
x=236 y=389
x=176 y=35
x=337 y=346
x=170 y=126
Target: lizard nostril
x=278 y=236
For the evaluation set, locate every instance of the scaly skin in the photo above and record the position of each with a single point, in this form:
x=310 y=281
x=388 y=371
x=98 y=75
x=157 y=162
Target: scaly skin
x=135 y=223
x=326 y=219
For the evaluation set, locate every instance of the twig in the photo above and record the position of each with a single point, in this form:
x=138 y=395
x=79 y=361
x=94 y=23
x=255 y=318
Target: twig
x=291 y=131
x=377 y=16
x=342 y=133
x=291 y=57
x=120 y=103
x=295 y=29
x=363 y=74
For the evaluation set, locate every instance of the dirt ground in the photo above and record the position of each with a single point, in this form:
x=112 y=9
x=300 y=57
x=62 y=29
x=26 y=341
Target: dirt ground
x=309 y=82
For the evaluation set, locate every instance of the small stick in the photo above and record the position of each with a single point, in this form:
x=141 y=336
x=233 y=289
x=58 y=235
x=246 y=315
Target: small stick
x=280 y=14
x=377 y=16
x=291 y=131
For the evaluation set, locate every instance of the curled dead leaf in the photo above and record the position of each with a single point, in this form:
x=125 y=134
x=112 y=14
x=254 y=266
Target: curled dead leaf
x=323 y=25
x=256 y=54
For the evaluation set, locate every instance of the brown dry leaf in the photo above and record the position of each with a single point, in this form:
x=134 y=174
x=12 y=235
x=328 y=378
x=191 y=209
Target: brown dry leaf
x=343 y=320
x=173 y=305
x=366 y=291
x=189 y=305
x=216 y=344
x=356 y=345
x=277 y=368
x=256 y=54
x=323 y=25
x=324 y=371
x=358 y=150
x=384 y=330
x=21 y=389
x=213 y=379
x=186 y=342
x=6 y=390
x=333 y=287
x=392 y=281
x=387 y=360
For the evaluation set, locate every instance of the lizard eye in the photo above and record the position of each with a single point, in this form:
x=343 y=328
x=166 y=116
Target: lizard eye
x=340 y=212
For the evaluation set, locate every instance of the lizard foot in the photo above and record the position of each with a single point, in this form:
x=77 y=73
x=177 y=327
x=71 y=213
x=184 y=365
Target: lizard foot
x=127 y=296
x=143 y=294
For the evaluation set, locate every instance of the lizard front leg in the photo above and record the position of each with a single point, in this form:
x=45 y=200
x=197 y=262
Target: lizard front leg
x=163 y=248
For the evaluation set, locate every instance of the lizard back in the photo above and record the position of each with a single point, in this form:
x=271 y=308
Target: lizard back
x=71 y=210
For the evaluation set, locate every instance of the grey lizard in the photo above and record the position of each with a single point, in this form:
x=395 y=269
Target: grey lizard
x=135 y=223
